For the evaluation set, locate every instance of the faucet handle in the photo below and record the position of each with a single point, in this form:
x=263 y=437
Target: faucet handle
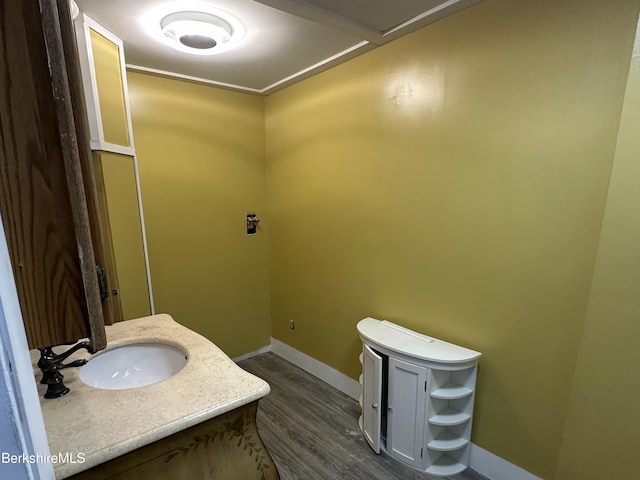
x=49 y=357
x=76 y=363
x=51 y=363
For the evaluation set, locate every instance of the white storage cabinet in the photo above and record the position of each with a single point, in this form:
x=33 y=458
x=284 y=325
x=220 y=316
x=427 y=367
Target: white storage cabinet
x=417 y=397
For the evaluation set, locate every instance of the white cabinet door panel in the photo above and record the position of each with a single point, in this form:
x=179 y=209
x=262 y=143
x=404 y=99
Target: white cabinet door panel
x=406 y=415
x=372 y=397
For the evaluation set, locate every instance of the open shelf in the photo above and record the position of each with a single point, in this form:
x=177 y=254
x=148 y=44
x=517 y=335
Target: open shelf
x=449 y=416
x=447 y=441
x=452 y=391
x=446 y=466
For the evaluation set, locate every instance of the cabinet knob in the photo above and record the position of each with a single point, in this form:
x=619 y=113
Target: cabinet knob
x=389 y=408
x=374 y=405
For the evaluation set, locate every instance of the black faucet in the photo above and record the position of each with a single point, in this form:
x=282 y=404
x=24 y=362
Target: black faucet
x=51 y=363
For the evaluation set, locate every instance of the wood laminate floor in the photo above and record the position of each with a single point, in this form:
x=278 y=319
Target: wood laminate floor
x=311 y=429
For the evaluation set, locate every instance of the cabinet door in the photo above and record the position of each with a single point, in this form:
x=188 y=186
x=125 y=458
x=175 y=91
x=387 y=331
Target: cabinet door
x=372 y=396
x=122 y=225
x=105 y=80
x=406 y=415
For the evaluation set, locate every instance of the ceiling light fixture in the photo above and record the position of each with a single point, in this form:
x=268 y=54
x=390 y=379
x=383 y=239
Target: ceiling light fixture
x=204 y=31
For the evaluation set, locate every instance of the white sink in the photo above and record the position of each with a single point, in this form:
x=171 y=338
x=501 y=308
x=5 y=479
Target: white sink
x=132 y=366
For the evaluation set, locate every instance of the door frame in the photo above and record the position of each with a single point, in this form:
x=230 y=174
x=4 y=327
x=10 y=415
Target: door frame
x=19 y=393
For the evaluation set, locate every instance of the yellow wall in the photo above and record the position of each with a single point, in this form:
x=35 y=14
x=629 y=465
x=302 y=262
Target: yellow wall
x=106 y=56
x=119 y=185
x=201 y=160
x=454 y=181
x=601 y=435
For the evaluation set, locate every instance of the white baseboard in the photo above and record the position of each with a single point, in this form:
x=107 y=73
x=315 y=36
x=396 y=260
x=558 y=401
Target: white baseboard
x=260 y=351
x=482 y=461
x=496 y=468
x=318 y=369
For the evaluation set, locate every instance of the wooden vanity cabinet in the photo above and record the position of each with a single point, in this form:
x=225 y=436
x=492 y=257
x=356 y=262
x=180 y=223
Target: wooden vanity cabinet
x=47 y=192
x=222 y=448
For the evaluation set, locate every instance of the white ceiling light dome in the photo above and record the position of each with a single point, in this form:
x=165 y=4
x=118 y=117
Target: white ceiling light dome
x=202 y=31
x=198 y=31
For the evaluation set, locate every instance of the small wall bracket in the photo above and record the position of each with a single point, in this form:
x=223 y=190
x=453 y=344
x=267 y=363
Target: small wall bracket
x=252 y=224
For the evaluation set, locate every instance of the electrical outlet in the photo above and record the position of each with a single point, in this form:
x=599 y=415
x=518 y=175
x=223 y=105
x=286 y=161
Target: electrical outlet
x=292 y=324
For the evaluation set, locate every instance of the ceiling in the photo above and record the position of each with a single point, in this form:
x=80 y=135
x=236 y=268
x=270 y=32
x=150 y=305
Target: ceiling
x=285 y=40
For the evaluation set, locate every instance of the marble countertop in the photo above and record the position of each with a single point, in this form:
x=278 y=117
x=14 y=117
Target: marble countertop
x=104 y=424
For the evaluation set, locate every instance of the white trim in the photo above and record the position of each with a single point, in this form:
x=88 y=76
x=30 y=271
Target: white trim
x=317 y=67
x=260 y=351
x=125 y=93
x=318 y=369
x=482 y=461
x=91 y=23
x=15 y=365
x=164 y=73
x=87 y=69
x=102 y=146
x=145 y=248
x=431 y=16
x=496 y=468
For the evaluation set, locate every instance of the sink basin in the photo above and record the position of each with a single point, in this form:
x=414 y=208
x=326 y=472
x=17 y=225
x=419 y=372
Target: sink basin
x=132 y=366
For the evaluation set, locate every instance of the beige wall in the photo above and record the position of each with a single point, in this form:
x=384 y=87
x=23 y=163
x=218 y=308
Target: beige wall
x=601 y=434
x=454 y=181
x=201 y=159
